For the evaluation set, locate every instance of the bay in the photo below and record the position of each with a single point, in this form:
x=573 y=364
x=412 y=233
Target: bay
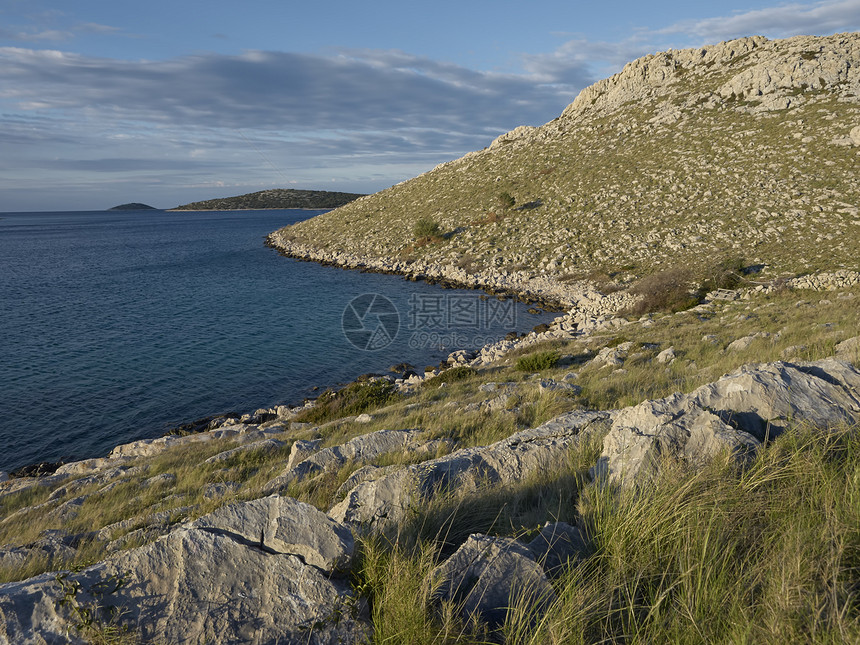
x=116 y=326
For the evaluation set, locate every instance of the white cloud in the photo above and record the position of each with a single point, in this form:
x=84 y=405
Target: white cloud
x=775 y=22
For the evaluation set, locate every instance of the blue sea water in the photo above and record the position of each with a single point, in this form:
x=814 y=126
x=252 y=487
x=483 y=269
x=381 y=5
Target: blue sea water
x=118 y=325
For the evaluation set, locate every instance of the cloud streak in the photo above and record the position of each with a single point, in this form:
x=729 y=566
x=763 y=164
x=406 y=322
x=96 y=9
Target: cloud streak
x=776 y=22
x=364 y=90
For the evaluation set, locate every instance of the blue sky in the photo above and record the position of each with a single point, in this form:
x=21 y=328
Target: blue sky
x=170 y=102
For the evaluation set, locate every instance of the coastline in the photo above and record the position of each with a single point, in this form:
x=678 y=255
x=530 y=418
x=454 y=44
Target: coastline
x=526 y=286
x=586 y=310
x=581 y=308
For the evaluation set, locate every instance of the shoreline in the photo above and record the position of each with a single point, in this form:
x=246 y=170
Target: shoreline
x=238 y=210
x=586 y=310
x=526 y=286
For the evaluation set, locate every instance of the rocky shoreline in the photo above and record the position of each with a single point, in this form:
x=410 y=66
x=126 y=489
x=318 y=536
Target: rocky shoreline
x=592 y=313
x=527 y=286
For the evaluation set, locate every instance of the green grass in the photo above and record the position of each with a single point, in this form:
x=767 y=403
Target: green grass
x=355 y=398
x=766 y=554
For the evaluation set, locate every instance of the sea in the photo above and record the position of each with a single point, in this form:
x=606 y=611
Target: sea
x=120 y=325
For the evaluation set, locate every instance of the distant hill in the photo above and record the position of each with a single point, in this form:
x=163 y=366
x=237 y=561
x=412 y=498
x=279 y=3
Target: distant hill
x=133 y=206
x=274 y=198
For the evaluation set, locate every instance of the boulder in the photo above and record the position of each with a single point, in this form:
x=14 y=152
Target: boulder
x=488 y=575
x=277 y=524
x=361 y=448
x=557 y=545
x=384 y=501
x=736 y=414
x=849 y=349
x=667 y=356
x=198 y=584
x=741 y=344
x=301 y=450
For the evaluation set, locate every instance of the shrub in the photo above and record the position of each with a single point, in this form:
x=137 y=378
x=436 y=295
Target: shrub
x=426 y=227
x=459 y=373
x=538 y=361
x=355 y=398
x=724 y=274
x=664 y=291
x=506 y=199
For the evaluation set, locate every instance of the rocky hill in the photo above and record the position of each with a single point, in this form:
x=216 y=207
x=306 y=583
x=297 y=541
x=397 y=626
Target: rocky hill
x=749 y=149
x=274 y=198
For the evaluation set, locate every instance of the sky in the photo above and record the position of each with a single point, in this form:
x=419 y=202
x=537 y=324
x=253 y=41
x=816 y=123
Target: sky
x=106 y=102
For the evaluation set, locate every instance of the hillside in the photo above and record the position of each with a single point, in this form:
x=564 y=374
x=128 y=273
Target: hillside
x=274 y=198
x=747 y=149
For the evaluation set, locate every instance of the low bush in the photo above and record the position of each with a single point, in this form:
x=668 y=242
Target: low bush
x=669 y=290
x=506 y=200
x=355 y=398
x=459 y=373
x=723 y=274
x=426 y=227
x=538 y=361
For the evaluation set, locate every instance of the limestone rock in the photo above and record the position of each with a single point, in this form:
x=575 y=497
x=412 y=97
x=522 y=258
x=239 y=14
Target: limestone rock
x=361 y=448
x=854 y=135
x=741 y=344
x=284 y=525
x=54 y=545
x=487 y=575
x=265 y=445
x=382 y=502
x=191 y=586
x=209 y=581
x=735 y=413
x=849 y=349
x=666 y=356
x=301 y=450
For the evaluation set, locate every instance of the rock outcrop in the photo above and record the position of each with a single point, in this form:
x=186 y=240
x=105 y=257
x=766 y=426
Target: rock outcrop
x=735 y=414
x=258 y=571
x=377 y=504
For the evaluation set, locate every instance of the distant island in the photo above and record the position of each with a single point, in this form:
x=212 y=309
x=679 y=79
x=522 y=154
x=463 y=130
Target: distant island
x=274 y=198
x=133 y=206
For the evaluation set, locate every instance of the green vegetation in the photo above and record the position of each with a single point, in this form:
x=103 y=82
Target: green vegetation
x=274 y=198
x=459 y=373
x=506 y=200
x=426 y=227
x=769 y=553
x=538 y=361
x=355 y=398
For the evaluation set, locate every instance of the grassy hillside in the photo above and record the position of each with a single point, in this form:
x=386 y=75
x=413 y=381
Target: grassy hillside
x=740 y=150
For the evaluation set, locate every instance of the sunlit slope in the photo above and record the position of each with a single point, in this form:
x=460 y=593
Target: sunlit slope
x=749 y=148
